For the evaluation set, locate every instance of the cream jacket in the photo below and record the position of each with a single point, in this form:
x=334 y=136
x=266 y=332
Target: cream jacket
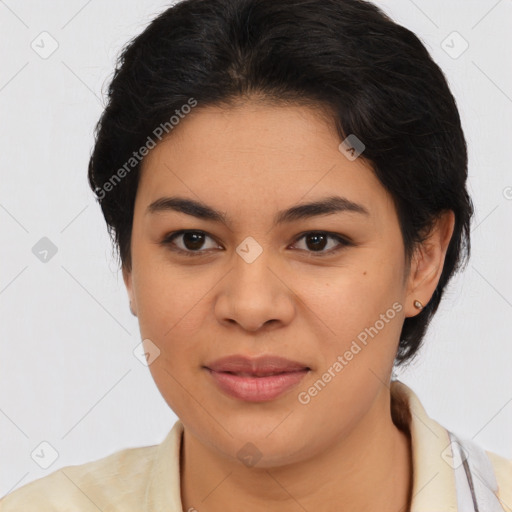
x=148 y=478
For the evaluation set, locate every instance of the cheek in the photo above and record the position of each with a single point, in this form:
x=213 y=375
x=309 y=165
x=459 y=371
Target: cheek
x=351 y=297
x=166 y=295
x=362 y=312
x=172 y=311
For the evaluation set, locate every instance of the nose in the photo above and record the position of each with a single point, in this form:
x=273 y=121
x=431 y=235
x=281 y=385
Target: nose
x=255 y=295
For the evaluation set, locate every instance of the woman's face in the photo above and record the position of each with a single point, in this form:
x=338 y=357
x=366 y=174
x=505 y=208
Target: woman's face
x=260 y=283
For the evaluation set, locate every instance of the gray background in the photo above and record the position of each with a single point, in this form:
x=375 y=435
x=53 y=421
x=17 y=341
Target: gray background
x=68 y=373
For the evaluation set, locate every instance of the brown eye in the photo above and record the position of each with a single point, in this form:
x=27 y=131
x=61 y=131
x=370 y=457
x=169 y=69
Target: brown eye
x=193 y=241
x=190 y=243
x=317 y=241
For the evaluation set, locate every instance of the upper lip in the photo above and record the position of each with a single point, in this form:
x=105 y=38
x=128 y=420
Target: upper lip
x=262 y=365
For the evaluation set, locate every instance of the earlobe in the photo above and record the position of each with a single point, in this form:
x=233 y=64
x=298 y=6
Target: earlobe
x=427 y=264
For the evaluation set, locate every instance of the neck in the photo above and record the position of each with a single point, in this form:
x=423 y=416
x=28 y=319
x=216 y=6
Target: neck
x=371 y=469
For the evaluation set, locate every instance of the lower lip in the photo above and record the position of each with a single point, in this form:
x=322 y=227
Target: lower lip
x=256 y=389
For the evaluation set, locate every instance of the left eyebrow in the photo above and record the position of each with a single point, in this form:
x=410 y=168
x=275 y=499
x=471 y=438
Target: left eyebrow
x=326 y=206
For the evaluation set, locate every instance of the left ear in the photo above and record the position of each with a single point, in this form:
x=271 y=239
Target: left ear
x=427 y=263
x=127 y=278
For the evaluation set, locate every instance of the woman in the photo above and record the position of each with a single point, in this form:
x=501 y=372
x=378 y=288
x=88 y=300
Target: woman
x=285 y=183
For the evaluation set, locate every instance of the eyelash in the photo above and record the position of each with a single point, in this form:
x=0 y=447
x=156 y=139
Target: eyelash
x=344 y=242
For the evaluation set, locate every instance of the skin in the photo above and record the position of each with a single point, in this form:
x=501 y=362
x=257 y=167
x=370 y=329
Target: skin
x=250 y=161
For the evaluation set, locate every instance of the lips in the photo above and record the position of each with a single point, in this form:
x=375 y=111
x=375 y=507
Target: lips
x=257 y=367
x=256 y=379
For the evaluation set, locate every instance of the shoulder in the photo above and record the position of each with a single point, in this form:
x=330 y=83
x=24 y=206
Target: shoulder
x=114 y=482
x=503 y=472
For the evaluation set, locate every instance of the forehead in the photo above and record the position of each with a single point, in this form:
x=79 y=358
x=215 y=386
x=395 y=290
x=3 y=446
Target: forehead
x=265 y=155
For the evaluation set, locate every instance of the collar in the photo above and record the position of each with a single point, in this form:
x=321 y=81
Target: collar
x=433 y=478
x=433 y=485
